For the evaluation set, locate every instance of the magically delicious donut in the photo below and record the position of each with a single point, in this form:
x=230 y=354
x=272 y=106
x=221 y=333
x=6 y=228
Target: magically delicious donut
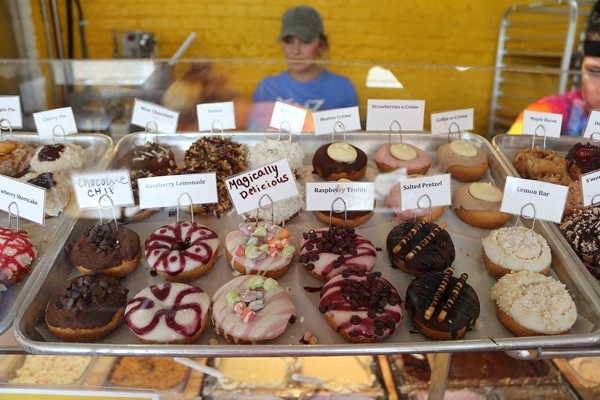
x=58 y=157
x=281 y=211
x=325 y=252
x=441 y=306
x=464 y=161
x=170 y=312
x=182 y=251
x=362 y=307
x=416 y=247
x=16 y=255
x=14 y=158
x=582 y=230
x=86 y=308
x=251 y=309
x=339 y=160
x=390 y=157
x=478 y=204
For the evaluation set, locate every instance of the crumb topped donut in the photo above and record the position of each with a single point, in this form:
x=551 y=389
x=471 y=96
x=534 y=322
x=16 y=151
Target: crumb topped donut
x=362 y=307
x=390 y=157
x=270 y=150
x=58 y=157
x=538 y=163
x=478 y=204
x=14 y=157
x=339 y=160
x=16 y=255
x=464 y=161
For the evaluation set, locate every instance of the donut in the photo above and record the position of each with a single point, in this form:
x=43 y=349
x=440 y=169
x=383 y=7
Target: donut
x=168 y=313
x=464 y=161
x=58 y=190
x=325 y=252
x=269 y=151
x=537 y=163
x=531 y=304
x=14 y=158
x=150 y=156
x=181 y=251
x=57 y=157
x=106 y=248
x=393 y=200
x=16 y=255
x=416 y=247
x=86 y=308
x=260 y=249
x=390 y=157
x=515 y=248
x=478 y=204
x=581 y=159
x=441 y=306
x=582 y=231
x=362 y=307
x=280 y=211
x=352 y=218
x=251 y=309
x=339 y=160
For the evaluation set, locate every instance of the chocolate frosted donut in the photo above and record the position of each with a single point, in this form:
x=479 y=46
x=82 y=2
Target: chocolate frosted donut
x=442 y=306
x=582 y=230
x=149 y=157
x=581 y=159
x=332 y=170
x=419 y=247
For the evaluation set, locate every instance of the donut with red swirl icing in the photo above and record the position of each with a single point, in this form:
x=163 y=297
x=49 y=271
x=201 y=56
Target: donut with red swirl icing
x=182 y=251
x=16 y=255
x=171 y=312
x=361 y=307
x=325 y=252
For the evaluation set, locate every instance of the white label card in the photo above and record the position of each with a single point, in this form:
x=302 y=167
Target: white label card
x=592 y=127
x=286 y=117
x=590 y=188
x=534 y=199
x=10 y=110
x=325 y=196
x=395 y=115
x=173 y=190
x=55 y=123
x=247 y=190
x=338 y=120
x=424 y=192
x=452 y=121
x=102 y=189
x=542 y=123
x=29 y=199
x=151 y=117
x=216 y=116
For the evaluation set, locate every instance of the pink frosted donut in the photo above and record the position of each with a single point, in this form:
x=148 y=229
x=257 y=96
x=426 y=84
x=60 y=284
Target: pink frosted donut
x=325 y=252
x=168 y=313
x=415 y=160
x=182 y=251
x=251 y=309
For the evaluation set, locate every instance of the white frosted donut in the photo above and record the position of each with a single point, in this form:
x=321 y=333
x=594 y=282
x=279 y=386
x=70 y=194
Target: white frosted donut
x=168 y=313
x=281 y=211
x=58 y=190
x=58 y=157
x=271 y=150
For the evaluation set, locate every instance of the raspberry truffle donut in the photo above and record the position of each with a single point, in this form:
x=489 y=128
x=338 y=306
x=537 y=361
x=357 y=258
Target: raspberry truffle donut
x=58 y=157
x=16 y=255
x=269 y=151
x=325 y=252
x=362 y=307
x=168 y=313
x=531 y=304
x=390 y=157
x=182 y=251
x=478 y=204
x=260 y=249
x=14 y=158
x=582 y=231
x=251 y=309
x=441 y=306
x=58 y=190
x=464 y=161
x=339 y=160
x=86 y=308
x=393 y=200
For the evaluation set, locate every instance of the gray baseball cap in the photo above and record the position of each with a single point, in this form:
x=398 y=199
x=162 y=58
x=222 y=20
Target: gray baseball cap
x=302 y=21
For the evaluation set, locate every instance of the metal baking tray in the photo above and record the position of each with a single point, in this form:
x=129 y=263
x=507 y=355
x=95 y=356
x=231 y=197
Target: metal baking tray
x=97 y=149
x=33 y=336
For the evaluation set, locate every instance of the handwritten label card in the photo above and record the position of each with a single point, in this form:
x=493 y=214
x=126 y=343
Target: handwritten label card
x=452 y=121
x=173 y=190
x=146 y=115
x=55 y=123
x=10 y=110
x=29 y=199
x=420 y=192
x=287 y=117
x=590 y=188
x=395 y=115
x=592 y=127
x=541 y=123
x=338 y=120
x=216 y=116
x=542 y=200
x=358 y=196
x=91 y=187
x=275 y=180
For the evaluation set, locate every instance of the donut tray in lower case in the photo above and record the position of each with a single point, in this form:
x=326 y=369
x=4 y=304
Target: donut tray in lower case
x=32 y=334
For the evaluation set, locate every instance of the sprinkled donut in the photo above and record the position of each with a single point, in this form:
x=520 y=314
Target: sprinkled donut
x=362 y=307
x=16 y=255
x=168 y=313
x=182 y=251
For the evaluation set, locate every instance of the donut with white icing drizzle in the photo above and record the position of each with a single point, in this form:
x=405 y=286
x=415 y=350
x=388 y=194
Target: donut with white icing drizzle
x=16 y=255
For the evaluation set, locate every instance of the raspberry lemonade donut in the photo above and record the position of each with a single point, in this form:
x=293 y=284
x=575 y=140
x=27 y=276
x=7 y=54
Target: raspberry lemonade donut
x=182 y=251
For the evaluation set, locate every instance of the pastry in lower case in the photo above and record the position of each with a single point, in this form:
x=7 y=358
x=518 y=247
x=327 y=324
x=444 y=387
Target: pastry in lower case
x=51 y=370
x=260 y=249
x=515 y=248
x=254 y=372
x=393 y=200
x=86 y=308
x=269 y=151
x=478 y=204
x=106 y=248
x=168 y=313
x=416 y=247
x=158 y=373
x=339 y=160
x=581 y=159
x=531 y=304
x=251 y=309
x=464 y=161
x=16 y=255
x=441 y=306
x=182 y=251
x=582 y=230
x=357 y=375
x=325 y=252
x=362 y=307
x=58 y=157
x=58 y=190
x=281 y=211
x=14 y=158
x=390 y=157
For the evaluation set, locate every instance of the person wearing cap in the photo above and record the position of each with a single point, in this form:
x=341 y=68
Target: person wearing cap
x=306 y=82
